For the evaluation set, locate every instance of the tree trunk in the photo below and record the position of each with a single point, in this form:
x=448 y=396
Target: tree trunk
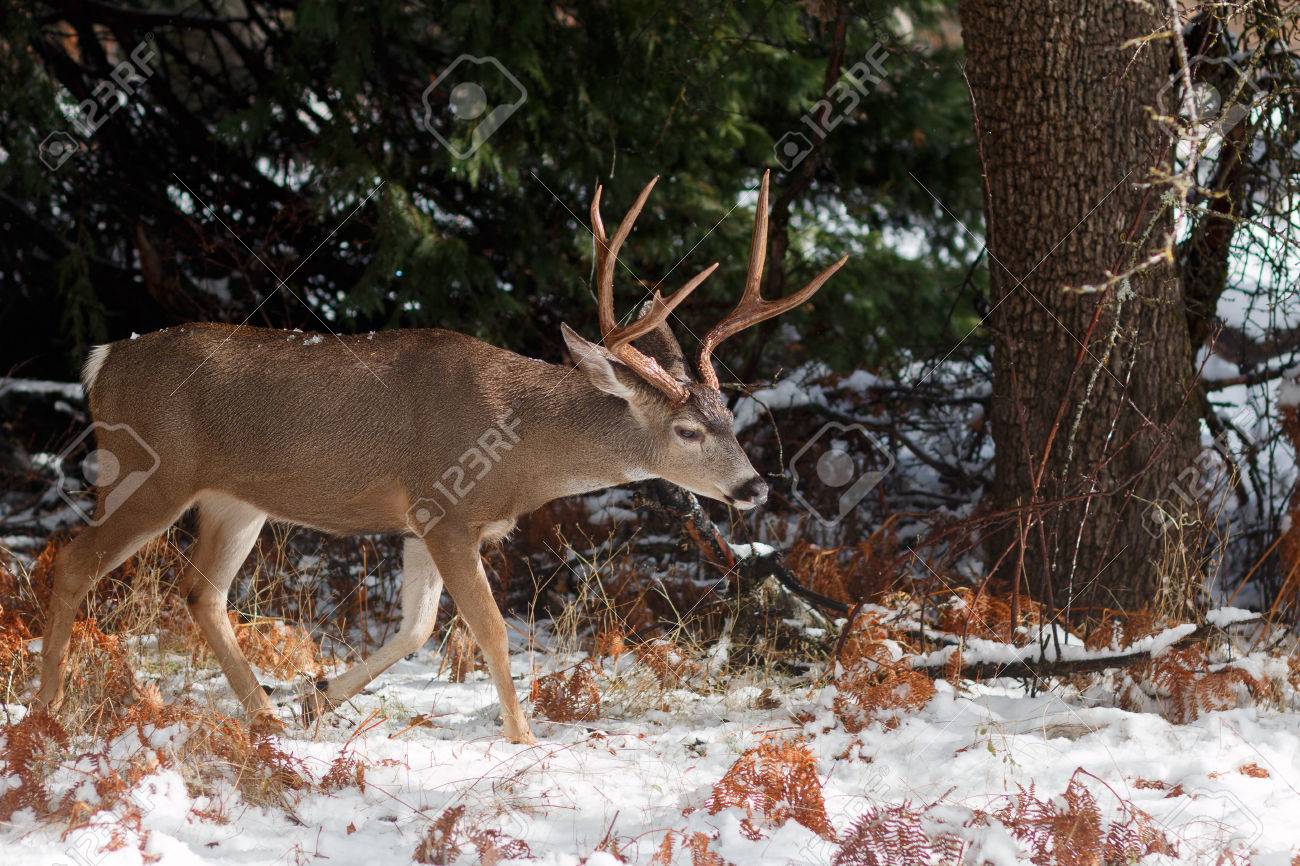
x=1086 y=438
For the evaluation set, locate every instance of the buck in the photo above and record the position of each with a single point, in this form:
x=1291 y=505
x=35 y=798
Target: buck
x=428 y=433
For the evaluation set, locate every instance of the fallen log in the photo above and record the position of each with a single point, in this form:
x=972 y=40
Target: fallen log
x=938 y=663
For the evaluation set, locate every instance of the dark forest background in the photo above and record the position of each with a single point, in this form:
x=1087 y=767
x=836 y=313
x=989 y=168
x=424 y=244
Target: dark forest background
x=1071 y=234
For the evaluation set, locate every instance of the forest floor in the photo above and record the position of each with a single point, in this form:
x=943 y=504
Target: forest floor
x=763 y=767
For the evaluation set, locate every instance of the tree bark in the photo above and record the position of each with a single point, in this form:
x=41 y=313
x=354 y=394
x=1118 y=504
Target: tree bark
x=1090 y=410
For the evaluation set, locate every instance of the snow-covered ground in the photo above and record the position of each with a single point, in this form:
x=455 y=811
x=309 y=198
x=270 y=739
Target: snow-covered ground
x=1227 y=781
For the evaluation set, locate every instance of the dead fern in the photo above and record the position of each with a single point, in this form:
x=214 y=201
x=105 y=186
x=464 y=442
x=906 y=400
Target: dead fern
x=667 y=661
x=869 y=691
x=99 y=683
x=867 y=641
x=493 y=846
x=286 y=651
x=863 y=572
x=1069 y=831
x=442 y=843
x=777 y=781
x=460 y=655
x=972 y=613
x=18 y=664
x=1119 y=629
x=446 y=839
x=822 y=569
x=696 y=843
x=574 y=697
x=1189 y=686
x=222 y=747
x=701 y=854
x=31 y=748
x=900 y=835
x=609 y=643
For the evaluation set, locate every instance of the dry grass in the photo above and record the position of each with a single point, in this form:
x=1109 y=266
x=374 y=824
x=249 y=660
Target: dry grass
x=460 y=655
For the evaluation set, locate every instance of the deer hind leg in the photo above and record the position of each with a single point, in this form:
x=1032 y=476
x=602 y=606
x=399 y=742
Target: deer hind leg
x=228 y=529
x=467 y=583
x=96 y=551
x=421 y=592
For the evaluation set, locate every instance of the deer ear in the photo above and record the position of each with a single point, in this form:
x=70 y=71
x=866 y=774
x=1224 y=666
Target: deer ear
x=597 y=362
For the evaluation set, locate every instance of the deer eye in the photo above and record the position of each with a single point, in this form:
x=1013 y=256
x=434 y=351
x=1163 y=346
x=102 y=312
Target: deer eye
x=688 y=434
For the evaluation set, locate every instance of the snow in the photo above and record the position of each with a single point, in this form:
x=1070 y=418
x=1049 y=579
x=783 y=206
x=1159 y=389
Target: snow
x=70 y=390
x=644 y=769
x=755 y=550
x=981 y=651
x=1226 y=616
x=1217 y=368
x=792 y=391
x=1288 y=390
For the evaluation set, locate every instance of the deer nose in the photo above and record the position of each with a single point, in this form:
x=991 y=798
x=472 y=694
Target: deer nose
x=754 y=490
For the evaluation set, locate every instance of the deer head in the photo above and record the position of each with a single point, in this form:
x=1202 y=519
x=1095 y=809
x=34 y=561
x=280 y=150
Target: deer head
x=681 y=422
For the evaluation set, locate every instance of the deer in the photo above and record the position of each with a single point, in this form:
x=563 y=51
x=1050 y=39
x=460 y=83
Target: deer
x=428 y=434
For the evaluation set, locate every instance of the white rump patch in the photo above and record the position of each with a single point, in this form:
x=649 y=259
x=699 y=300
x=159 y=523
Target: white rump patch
x=94 y=363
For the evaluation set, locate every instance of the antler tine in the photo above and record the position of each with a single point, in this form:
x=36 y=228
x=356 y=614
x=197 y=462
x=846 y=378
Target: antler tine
x=752 y=307
x=618 y=340
x=660 y=309
x=757 y=243
x=607 y=252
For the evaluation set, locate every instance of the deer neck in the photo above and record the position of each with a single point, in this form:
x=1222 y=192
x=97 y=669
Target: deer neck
x=591 y=439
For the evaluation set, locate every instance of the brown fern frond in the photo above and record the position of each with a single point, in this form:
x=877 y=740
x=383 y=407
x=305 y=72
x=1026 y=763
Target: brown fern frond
x=100 y=682
x=284 y=650
x=1118 y=629
x=975 y=614
x=493 y=846
x=574 y=697
x=865 y=692
x=442 y=843
x=702 y=855
x=609 y=643
x=1191 y=687
x=29 y=746
x=900 y=835
x=1069 y=830
x=778 y=781
x=667 y=661
x=460 y=655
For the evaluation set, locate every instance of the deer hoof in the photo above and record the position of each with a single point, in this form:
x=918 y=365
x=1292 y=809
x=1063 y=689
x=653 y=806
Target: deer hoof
x=522 y=738
x=266 y=723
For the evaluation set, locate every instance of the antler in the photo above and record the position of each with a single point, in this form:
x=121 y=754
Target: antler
x=618 y=340
x=752 y=308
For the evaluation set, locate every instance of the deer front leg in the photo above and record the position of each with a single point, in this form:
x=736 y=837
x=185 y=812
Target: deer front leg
x=467 y=583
